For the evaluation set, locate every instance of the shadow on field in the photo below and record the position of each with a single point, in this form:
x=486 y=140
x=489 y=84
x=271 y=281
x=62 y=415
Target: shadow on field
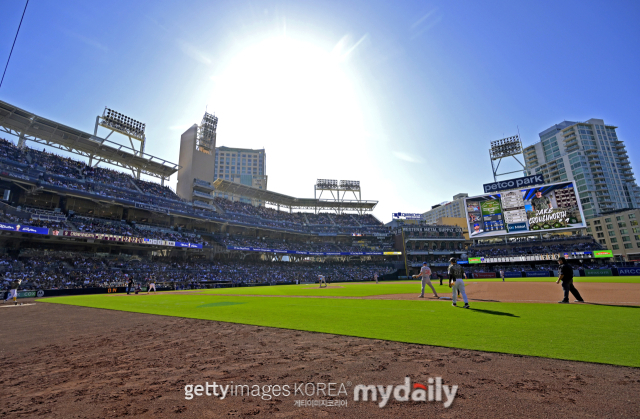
x=606 y=305
x=494 y=312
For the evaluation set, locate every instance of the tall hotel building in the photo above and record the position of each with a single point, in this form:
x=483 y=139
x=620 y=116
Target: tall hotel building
x=591 y=154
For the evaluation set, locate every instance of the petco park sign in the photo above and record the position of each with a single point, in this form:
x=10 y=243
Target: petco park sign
x=513 y=183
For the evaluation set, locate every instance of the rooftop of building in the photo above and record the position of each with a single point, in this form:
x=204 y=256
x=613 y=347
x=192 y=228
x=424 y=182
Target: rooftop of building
x=240 y=150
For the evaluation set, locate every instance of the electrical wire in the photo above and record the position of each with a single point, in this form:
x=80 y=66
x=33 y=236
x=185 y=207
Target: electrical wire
x=14 y=43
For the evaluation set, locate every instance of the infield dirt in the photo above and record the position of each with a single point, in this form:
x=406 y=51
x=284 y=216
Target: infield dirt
x=73 y=362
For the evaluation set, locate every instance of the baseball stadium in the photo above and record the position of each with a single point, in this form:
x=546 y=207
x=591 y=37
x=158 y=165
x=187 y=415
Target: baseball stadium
x=124 y=296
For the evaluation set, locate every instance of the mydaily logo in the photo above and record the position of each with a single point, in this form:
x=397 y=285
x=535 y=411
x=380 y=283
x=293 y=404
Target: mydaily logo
x=513 y=183
x=433 y=391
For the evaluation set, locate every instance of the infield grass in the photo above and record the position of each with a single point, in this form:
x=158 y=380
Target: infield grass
x=591 y=333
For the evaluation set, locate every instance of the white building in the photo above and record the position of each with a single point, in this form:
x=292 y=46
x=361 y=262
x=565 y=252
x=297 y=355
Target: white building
x=453 y=209
x=241 y=165
x=591 y=154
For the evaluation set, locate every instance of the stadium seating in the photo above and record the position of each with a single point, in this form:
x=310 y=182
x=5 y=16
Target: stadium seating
x=52 y=171
x=58 y=270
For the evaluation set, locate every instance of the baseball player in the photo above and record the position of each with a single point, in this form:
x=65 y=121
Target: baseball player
x=502 y=274
x=375 y=276
x=321 y=280
x=540 y=202
x=425 y=273
x=13 y=291
x=152 y=284
x=456 y=273
x=129 y=284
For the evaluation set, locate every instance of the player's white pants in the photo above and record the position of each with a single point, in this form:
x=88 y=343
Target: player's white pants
x=151 y=286
x=427 y=281
x=459 y=286
x=11 y=294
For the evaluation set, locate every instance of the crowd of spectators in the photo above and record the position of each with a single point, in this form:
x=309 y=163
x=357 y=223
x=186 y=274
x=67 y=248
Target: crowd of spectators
x=67 y=173
x=59 y=270
x=535 y=247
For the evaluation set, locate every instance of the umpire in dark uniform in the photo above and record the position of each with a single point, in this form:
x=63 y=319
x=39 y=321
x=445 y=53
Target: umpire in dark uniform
x=566 y=276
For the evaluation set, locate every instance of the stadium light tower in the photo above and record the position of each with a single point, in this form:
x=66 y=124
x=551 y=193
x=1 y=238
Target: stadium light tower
x=505 y=148
x=122 y=124
x=206 y=140
x=337 y=190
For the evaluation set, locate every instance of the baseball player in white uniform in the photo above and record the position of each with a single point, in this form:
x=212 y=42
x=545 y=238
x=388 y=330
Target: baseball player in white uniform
x=425 y=273
x=152 y=284
x=456 y=273
x=13 y=291
x=502 y=274
x=375 y=276
x=321 y=280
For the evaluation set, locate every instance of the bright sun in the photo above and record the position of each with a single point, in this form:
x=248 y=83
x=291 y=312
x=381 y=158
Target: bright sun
x=290 y=88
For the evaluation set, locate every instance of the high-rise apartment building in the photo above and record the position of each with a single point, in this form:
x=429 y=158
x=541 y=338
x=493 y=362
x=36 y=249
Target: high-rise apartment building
x=452 y=209
x=591 y=154
x=241 y=165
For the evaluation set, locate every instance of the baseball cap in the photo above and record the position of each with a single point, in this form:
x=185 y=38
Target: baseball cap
x=424 y=263
x=452 y=260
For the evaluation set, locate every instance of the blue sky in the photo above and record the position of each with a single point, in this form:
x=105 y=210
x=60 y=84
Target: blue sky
x=403 y=96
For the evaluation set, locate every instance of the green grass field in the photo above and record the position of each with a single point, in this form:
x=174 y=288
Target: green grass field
x=591 y=333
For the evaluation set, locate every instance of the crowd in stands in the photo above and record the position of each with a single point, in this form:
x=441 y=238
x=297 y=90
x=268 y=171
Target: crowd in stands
x=54 y=170
x=534 y=247
x=299 y=221
x=122 y=228
x=60 y=270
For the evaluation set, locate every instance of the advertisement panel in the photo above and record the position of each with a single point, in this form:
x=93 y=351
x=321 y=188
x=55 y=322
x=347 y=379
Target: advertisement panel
x=551 y=207
x=298 y=252
x=513 y=274
x=597 y=272
x=475 y=260
x=484 y=275
x=576 y=273
x=128 y=239
x=537 y=273
x=628 y=271
x=23 y=229
x=603 y=253
x=406 y=216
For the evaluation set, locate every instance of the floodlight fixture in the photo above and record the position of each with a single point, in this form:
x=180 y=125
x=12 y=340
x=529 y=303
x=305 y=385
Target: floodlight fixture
x=326 y=184
x=206 y=140
x=505 y=147
x=337 y=191
x=351 y=185
x=502 y=148
x=121 y=123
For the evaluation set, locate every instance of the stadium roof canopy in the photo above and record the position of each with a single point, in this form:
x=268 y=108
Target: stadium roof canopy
x=279 y=199
x=31 y=127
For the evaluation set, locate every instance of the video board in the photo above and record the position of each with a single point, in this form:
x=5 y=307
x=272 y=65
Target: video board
x=544 y=208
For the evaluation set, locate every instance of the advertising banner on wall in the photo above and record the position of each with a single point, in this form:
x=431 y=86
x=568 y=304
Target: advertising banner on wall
x=129 y=239
x=303 y=253
x=513 y=274
x=536 y=274
x=597 y=272
x=629 y=271
x=484 y=275
x=23 y=228
x=544 y=208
